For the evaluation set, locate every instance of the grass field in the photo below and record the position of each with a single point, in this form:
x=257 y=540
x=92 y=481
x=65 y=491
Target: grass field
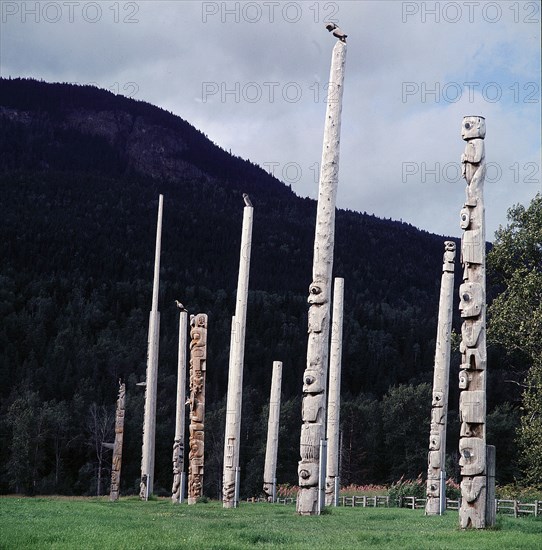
x=81 y=523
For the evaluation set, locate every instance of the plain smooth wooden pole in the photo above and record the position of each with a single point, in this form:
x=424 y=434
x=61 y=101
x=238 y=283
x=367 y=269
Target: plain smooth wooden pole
x=178 y=443
x=149 y=421
x=234 y=400
x=270 y=468
x=334 y=395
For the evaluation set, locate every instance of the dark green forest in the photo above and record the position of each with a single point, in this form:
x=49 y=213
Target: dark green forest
x=80 y=174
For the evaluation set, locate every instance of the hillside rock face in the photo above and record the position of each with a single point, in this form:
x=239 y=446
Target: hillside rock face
x=147 y=148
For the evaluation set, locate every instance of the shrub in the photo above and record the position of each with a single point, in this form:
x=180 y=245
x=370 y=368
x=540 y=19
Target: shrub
x=453 y=489
x=363 y=490
x=407 y=488
x=514 y=491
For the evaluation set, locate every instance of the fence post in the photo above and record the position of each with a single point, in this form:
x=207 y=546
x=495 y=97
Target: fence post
x=490 y=486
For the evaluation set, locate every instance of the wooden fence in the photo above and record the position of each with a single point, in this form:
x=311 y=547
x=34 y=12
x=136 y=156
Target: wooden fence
x=502 y=506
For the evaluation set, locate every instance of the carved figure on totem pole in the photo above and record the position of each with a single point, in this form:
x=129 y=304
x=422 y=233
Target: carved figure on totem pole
x=178 y=461
x=473 y=168
x=117 y=447
x=436 y=459
x=198 y=365
x=472 y=294
x=314 y=397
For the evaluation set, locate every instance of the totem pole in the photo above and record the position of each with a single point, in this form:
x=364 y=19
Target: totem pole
x=149 y=421
x=230 y=480
x=314 y=377
x=436 y=470
x=177 y=491
x=117 y=447
x=198 y=368
x=270 y=469
x=334 y=397
x=472 y=293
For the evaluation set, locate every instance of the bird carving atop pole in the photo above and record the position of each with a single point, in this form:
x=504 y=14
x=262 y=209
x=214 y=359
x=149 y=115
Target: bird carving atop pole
x=337 y=32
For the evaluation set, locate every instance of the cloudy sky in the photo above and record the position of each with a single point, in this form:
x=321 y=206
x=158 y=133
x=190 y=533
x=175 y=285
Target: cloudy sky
x=252 y=76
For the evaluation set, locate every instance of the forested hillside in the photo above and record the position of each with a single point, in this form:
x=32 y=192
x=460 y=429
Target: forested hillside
x=81 y=170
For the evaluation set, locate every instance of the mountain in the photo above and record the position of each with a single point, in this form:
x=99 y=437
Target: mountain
x=80 y=174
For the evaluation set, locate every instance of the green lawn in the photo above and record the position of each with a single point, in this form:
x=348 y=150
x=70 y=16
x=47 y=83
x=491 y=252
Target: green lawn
x=97 y=523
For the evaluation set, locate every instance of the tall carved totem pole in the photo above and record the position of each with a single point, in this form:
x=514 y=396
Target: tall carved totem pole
x=117 y=446
x=472 y=293
x=314 y=378
x=149 y=420
x=177 y=490
x=436 y=471
x=198 y=368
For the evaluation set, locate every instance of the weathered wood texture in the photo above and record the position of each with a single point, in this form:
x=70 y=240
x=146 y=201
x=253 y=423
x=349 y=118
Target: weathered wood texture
x=314 y=377
x=234 y=400
x=149 y=420
x=472 y=377
x=270 y=468
x=178 y=442
x=117 y=447
x=334 y=395
x=439 y=406
x=198 y=368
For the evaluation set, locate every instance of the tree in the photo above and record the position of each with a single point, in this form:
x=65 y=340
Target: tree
x=406 y=412
x=27 y=419
x=100 y=425
x=515 y=265
x=361 y=441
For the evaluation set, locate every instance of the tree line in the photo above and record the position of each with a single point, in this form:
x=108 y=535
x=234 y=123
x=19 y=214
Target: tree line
x=77 y=228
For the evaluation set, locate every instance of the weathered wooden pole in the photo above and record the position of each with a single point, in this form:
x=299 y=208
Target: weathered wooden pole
x=314 y=377
x=149 y=421
x=436 y=469
x=117 y=446
x=235 y=374
x=198 y=369
x=177 y=491
x=334 y=396
x=270 y=469
x=472 y=377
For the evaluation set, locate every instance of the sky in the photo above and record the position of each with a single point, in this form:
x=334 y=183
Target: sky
x=252 y=76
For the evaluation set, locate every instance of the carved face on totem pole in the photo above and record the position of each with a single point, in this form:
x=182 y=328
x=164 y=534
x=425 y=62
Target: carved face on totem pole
x=308 y=473
x=473 y=127
x=464 y=218
x=471 y=298
x=473 y=456
x=317 y=293
x=465 y=378
x=313 y=381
